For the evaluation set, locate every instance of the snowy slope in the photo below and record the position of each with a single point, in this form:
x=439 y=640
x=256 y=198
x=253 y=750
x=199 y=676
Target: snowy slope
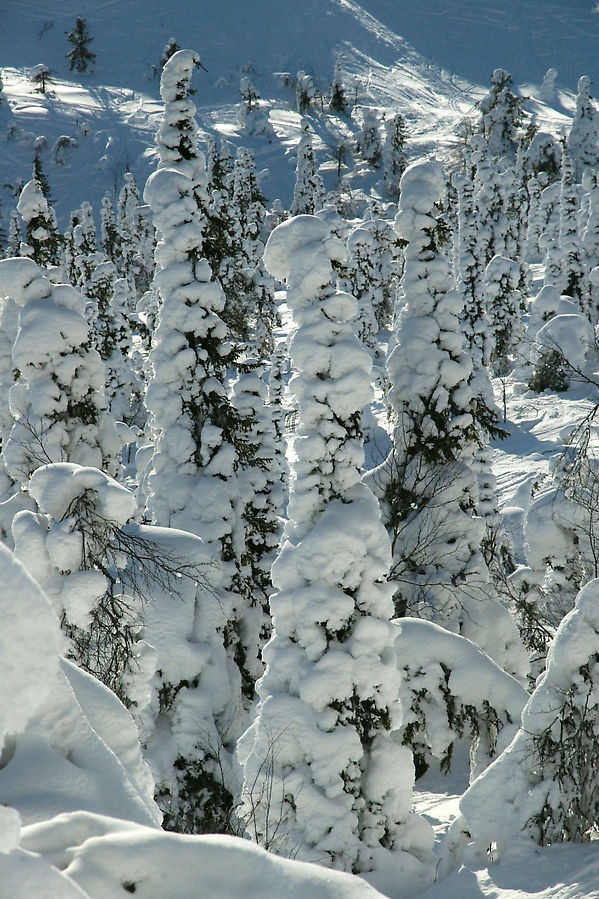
x=429 y=59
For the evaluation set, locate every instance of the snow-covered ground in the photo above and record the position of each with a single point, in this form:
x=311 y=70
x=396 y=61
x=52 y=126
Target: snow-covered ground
x=428 y=59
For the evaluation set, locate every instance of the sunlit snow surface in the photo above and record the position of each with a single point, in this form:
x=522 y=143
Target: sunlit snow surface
x=430 y=59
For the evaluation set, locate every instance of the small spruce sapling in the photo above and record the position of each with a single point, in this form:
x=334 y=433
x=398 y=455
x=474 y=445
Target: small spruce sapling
x=80 y=57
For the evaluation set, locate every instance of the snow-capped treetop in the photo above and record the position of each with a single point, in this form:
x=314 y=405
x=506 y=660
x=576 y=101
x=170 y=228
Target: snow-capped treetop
x=290 y=237
x=31 y=201
x=177 y=138
x=422 y=185
x=176 y=75
x=22 y=280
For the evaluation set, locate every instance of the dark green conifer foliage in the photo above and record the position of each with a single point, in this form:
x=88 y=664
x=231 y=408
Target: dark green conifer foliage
x=80 y=57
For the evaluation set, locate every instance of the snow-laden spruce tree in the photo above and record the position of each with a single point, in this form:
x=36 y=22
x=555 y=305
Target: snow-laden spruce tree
x=42 y=240
x=57 y=401
x=338 y=99
x=368 y=139
x=128 y=230
x=177 y=140
x=394 y=153
x=572 y=267
x=324 y=780
x=500 y=116
x=109 y=235
x=260 y=502
x=308 y=193
x=544 y=788
x=426 y=485
x=363 y=281
x=198 y=441
x=584 y=131
x=248 y=214
x=504 y=313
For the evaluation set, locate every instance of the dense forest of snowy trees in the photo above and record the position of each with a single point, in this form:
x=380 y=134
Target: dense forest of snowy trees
x=248 y=630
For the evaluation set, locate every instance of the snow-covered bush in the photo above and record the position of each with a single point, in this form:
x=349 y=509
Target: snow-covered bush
x=544 y=788
x=560 y=352
x=450 y=689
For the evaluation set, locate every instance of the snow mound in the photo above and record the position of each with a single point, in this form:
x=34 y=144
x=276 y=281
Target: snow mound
x=106 y=857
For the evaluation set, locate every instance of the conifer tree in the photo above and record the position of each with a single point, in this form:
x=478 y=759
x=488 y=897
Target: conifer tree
x=338 y=101
x=80 y=57
x=13 y=246
x=42 y=240
x=198 y=443
x=368 y=140
x=426 y=485
x=394 y=154
x=109 y=235
x=319 y=755
x=57 y=401
x=572 y=269
x=500 y=116
x=504 y=319
x=308 y=194
x=584 y=130
x=170 y=48
x=544 y=788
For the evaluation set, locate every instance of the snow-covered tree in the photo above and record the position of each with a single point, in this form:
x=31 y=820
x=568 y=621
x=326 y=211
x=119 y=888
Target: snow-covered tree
x=253 y=115
x=57 y=401
x=324 y=779
x=74 y=548
x=42 y=240
x=170 y=48
x=427 y=486
x=544 y=788
x=305 y=92
x=338 y=100
x=504 y=313
x=450 y=689
x=362 y=280
x=13 y=245
x=368 y=140
x=109 y=235
x=80 y=56
x=40 y=75
x=500 y=116
x=260 y=504
x=308 y=194
x=572 y=268
x=394 y=153
x=584 y=130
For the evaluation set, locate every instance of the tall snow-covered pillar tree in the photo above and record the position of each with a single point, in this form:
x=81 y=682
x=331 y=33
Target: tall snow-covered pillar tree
x=427 y=486
x=192 y=482
x=324 y=780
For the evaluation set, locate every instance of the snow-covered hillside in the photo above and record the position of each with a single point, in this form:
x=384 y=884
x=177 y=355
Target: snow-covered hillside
x=88 y=820
x=430 y=60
